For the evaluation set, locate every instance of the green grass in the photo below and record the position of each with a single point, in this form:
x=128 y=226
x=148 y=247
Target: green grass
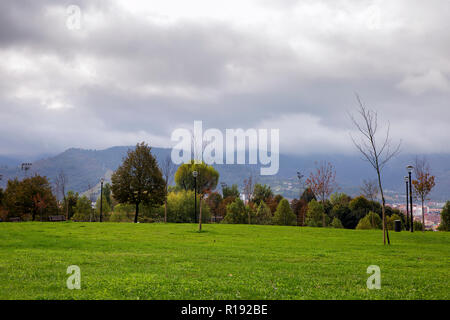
x=173 y=261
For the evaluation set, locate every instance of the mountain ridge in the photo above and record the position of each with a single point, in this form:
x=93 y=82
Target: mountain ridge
x=85 y=167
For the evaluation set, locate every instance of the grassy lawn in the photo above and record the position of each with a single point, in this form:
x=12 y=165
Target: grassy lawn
x=173 y=261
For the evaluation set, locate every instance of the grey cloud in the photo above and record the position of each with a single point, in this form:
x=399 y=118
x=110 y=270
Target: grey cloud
x=128 y=78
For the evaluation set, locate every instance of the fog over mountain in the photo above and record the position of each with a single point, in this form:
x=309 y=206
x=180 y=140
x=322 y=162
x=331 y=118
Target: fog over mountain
x=85 y=168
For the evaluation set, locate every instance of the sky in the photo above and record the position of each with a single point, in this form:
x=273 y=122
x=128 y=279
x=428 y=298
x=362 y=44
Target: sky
x=130 y=71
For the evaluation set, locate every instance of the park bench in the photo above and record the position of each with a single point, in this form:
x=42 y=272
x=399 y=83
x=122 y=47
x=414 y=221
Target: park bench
x=57 y=218
x=14 y=219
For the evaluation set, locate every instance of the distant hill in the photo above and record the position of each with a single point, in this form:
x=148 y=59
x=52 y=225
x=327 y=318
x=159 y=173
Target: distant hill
x=85 y=168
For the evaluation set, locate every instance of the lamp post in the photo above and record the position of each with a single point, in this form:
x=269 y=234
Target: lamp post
x=410 y=170
x=101 y=198
x=195 y=174
x=407 y=203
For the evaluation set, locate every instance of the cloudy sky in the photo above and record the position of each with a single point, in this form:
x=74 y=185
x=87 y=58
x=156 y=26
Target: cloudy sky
x=135 y=71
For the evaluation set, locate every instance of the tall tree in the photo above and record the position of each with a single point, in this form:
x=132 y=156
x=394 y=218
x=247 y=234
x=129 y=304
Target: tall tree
x=423 y=184
x=139 y=179
x=377 y=154
x=167 y=169
x=206 y=180
x=322 y=182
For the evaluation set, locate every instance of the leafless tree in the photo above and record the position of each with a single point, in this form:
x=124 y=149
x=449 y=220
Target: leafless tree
x=322 y=182
x=168 y=169
x=61 y=181
x=248 y=188
x=377 y=154
x=369 y=189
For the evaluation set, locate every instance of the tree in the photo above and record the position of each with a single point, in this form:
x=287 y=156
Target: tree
x=30 y=197
x=168 y=169
x=236 y=212
x=424 y=183
x=336 y=223
x=206 y=180
x=322 y=182
x=61 y=181
x=263 y=214
x=214 y=201
x=82 y=211
x=139 y=180
x=314 y=214
x=299 y=207
x=445 y=217
x=107 y=194
x=378 y=155
x=283 y=215
x=261 y=193
x=369 y=189
x=105 y=206
x=360 y=207
x=228 y=191
x=70 y=203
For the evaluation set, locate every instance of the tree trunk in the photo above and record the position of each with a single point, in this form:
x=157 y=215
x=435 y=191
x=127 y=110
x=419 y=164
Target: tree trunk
x=383 y=210
x=200 y=216
x=423 y=217
x=137 y=213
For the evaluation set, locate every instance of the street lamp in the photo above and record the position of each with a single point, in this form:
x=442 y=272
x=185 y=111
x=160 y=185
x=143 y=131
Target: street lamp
x=195 y=174
x=407 y=203
x=101 y=198
x=410 y=169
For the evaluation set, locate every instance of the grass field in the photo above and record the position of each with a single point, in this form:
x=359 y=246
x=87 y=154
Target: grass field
x=173 y=261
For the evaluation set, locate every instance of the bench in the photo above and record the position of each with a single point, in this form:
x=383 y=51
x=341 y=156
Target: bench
x=57 y=218
x=14 y=219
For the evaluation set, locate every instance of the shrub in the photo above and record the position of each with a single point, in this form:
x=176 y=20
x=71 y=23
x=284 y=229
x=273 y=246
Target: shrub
x=336 y=223
x=314 y=214
x=83 y=210
x=283 y=215
x=418 y=226
x=390 y=221
x=370 y=221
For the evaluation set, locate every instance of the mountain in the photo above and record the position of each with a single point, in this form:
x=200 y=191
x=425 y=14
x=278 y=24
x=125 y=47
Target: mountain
x=85 y=168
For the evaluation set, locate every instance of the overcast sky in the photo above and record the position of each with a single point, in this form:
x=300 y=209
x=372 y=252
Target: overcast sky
x=135 y=72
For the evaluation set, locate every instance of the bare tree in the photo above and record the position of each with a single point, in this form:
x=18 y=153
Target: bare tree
x=322 y=182
x=424 y=183
x=378 y=155
x=248 y=188
x=168 y=170
x=61 y=181
x=369 y=189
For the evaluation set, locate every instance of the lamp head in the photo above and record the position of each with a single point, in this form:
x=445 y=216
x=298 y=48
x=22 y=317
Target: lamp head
x=195 y=174
x=406 y=178
x=102 y=180
x=410 y=168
